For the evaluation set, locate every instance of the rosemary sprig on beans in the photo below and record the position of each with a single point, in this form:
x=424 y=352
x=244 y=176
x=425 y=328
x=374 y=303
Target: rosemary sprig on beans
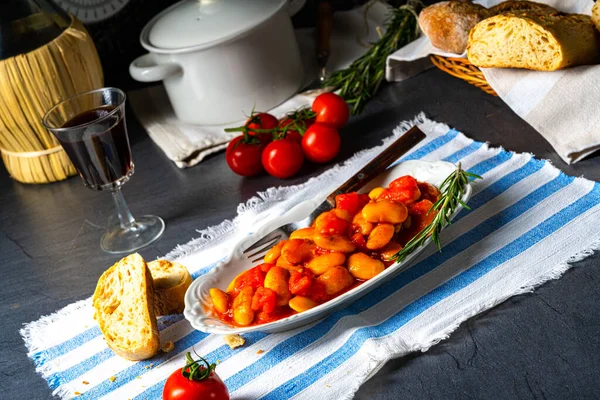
x=452 y=190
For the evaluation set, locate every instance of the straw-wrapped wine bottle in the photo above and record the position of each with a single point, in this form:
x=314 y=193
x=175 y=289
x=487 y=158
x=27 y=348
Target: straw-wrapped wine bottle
x=45 y=56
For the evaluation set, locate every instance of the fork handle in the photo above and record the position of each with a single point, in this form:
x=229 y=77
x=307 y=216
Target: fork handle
x=379 y=164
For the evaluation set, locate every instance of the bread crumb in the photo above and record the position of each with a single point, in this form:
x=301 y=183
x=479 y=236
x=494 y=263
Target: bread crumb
x=146 y=367
x=112 y=378
x=169 y=346
x=77 y=394
x=260 y=351
x=85 y=382
x=151 y=365
x=326 y=386
x=218 y=361
x=234 y=341
x=138 y=377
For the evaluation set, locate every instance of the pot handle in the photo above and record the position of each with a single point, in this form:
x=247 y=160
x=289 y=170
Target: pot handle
x=144 y=69
x=294 y=6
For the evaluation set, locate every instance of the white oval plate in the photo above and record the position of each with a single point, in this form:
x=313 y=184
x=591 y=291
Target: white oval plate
x=198 y=293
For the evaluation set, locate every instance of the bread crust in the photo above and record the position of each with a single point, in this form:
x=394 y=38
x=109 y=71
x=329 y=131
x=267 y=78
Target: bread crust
x=596 y=15
x=171 y=281
x=550 y=41
x=447 y=24
x=108 y=299
x=512 y=6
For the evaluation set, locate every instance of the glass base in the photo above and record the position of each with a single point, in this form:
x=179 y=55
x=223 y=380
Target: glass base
x=144 y=231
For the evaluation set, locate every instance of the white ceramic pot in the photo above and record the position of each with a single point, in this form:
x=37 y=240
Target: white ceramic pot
x=219 y=59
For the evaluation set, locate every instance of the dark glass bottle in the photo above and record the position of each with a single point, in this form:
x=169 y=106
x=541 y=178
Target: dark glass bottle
x=26 y=25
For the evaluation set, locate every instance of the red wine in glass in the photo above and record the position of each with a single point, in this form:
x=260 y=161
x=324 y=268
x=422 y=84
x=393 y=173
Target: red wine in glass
x=91 y=128
x=100 y=151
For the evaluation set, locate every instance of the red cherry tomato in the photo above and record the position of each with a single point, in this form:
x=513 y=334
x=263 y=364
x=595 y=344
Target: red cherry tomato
x=244 y=158
x=404 y=190
x=293 y=135
x=300 y=283
x=321 y=143
x=262 y=121
x=352 y=202
x=264 y=299
x=254 y=277
x=299 y=124
x=181 y=387
x=331 y=110
x=282 y=158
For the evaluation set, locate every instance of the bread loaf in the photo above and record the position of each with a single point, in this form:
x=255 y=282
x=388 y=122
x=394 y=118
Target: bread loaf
x=124 y=309
x=511 y=6
x=447 y=24
x=171 y=281
x=538 y=40
x=596 y=15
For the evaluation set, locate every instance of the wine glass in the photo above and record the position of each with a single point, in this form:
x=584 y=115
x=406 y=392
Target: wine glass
x=91 y=128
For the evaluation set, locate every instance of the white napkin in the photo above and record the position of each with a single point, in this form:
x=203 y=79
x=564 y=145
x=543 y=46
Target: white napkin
x=562 y=105
x=187 y=144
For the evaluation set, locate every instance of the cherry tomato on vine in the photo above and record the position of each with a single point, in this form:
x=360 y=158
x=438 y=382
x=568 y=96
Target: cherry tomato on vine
x=294 y=136
x=331 y=109
x=321 y=143
x=262 y=121
x=297 y=126
x=195 y=381
x=282 y=158
x=244 y=157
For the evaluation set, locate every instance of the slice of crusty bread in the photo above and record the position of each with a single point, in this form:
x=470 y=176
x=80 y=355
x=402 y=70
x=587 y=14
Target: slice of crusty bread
x=124 y=309
x=171 y=281
x=538 y=40
x=596 y=15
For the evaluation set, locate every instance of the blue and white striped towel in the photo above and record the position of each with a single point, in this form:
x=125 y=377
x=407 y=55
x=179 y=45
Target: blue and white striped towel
x=527 y=222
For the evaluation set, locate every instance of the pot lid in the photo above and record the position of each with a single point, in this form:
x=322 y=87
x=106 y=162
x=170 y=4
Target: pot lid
x=207 y=22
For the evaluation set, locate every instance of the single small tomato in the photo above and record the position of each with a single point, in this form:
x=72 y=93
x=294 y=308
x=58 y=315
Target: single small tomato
x=300 y=282
x=294 y=129
x=244 y=156
x=282 y=158
x=195 y=381
x=264 y=299
x=262 y=121
x=293 y=135
x=352 y=202
x=331 y=110
x=321 y=143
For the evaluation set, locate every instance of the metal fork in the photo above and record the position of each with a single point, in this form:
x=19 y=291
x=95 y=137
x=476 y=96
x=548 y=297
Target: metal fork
x=256 y=251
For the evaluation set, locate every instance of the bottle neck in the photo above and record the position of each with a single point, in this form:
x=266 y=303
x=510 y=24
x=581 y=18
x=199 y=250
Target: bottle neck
x=26 y=25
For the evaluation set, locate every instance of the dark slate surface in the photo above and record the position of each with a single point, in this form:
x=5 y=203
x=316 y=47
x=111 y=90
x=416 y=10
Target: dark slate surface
x=540 y=345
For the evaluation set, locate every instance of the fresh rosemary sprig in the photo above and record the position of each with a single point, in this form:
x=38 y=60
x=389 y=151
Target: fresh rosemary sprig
x=452 y=190
x=361 y=80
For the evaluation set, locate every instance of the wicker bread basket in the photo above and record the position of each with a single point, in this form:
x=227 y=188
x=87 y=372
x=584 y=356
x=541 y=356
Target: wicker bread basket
x=30 y=84
x=463 y=69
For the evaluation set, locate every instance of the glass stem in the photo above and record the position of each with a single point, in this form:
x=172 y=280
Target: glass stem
x=125 y=217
